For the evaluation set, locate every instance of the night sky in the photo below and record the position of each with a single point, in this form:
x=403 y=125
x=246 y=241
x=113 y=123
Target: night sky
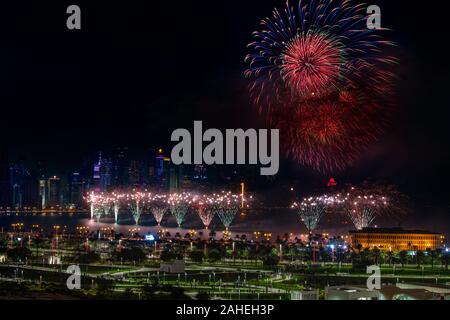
x=138 y=70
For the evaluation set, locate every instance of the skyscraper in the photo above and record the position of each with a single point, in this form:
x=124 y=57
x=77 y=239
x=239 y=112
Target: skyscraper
x=120 y=167
x=54 y=192
x=105 y=174
x=135 y=174
x=76 y=190
x=162 y=175
x=25 y=187
x=5 y=182
x=96 y=174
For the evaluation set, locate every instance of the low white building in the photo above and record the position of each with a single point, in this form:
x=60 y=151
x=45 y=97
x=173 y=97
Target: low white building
x=305 y=295
x=175 y=266
x=54 y=260
x=350 y=293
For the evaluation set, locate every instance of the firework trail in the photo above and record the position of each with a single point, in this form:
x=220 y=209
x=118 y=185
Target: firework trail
x=312 y=209
x=135 y=202
x=159 y=205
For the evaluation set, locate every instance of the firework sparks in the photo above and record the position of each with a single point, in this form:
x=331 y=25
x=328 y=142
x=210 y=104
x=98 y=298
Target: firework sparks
x=179 y=206
x=312 y=209
x=314 y=48
x=365 y=203
x=95 y=201
x=228 y=207
x=224 y=204
x=321 y=76
x=310 y=64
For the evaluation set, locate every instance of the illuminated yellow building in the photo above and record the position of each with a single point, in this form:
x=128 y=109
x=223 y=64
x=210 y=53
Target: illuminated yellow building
x=396 y=239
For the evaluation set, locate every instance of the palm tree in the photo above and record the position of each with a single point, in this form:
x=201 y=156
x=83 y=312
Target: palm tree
x=403 y=257
x=376 y=255
x=37 y=242
x=419 y=257
x=445 y=259
x=433 y=255
x=390 y=255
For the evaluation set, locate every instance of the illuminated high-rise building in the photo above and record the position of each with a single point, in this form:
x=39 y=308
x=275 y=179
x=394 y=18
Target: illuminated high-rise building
x=25 y=187
x=120 y=169
x=54 y=192
x=76 y=190
x=175 y=178
x=162 y=175
x=17 y=196
x=5 y=182
x=43 y=192
x=200 y=172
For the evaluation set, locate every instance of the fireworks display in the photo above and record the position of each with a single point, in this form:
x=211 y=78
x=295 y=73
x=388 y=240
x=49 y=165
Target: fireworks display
x=365 y=203
x=95 y=201
x=322 y=77
x=228 y=207
x=135 y=203
x=363 y=209
x=329 y=134
x=179 y=206
x=206 y=208
x=361 y=204
x=312 y=209
x=224 y=204
x=159 y=205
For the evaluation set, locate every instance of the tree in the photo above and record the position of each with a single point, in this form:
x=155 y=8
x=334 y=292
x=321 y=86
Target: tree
x=132 y=254
x=271 y=260
x=19 y=254
x=104 y=288
x=403 y=256
x=419 y=257
x=390 y=255
x=88 y=257
x=37 y=243
x=3 y=245
x=197 y=256
x=325 y=255
x=433 y=254
x=376 y=255
x=445 y=259
x=167 y=256
x=214 y=255
x=149 y=291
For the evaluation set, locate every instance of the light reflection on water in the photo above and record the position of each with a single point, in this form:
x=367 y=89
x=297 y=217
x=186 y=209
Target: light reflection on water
x=147 y=224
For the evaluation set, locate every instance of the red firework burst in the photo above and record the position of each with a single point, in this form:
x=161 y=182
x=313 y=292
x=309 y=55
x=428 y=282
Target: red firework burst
x=311 y=65
x=321 y=76
x=330 y=133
